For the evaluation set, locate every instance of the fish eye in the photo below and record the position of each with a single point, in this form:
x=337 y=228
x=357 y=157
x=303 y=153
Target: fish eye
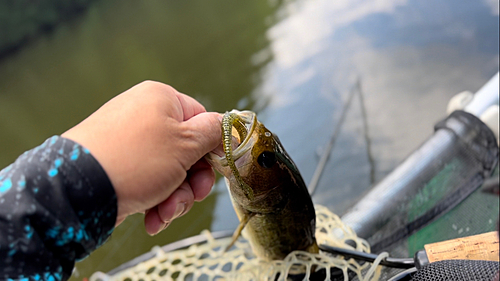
x=266 y=159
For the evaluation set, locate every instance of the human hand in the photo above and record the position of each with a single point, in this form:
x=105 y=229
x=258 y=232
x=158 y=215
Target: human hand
x=151 y=140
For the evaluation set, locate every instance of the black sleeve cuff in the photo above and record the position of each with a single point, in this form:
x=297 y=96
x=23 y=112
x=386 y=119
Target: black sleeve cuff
x=56 y=206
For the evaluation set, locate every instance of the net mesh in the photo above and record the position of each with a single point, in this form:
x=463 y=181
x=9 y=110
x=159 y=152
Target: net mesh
x=209 y=261
x=458 y=270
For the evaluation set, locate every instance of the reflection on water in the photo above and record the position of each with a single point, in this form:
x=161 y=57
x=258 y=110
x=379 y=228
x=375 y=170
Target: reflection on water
x=411 y=57
x=294 y=62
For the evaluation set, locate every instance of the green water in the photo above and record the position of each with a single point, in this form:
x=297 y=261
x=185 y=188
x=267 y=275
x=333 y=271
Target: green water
x=201 y=48
x=292 y=61
x=71 y=72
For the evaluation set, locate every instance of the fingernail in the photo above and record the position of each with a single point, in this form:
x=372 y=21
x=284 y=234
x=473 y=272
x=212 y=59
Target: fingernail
x=179 y=209
x=166 y=225
x=162 y=228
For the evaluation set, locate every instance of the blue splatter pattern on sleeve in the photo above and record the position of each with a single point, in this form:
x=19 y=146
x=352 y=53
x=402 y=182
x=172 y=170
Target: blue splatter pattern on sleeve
x=56 y=206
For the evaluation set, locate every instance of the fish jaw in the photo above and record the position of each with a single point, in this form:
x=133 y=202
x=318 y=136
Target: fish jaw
x=234 y=160
x=220 y=165
x=250 y=122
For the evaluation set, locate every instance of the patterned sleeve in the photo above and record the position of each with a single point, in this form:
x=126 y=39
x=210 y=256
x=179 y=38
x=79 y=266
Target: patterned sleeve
x=56 y=206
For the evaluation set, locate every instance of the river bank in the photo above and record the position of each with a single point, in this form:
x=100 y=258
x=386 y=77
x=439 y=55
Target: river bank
x=23 y=21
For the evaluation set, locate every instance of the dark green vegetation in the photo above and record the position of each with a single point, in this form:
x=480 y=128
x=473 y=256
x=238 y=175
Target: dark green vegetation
x=23 y=20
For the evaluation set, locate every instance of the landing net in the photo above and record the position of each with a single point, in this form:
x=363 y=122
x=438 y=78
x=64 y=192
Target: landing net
x=208 y=261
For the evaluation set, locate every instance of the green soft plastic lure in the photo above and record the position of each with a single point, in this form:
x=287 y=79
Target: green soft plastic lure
x=230 y=120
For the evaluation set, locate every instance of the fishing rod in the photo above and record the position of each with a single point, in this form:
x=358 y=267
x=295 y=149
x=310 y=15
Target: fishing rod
x=356 y=88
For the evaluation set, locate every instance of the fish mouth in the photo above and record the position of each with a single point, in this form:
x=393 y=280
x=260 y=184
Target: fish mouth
x=249 y=120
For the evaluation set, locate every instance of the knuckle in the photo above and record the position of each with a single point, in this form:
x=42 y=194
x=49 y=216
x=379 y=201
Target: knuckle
x=156 y=87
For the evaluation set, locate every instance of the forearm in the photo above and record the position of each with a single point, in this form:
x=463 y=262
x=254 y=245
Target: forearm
x=56 y=206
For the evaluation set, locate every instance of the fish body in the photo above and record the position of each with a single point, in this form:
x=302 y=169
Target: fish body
x=268 y=193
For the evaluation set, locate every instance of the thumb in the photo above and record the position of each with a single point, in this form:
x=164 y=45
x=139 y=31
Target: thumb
x=207 y=130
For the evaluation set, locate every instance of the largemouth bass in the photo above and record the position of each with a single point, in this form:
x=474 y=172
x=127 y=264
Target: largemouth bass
x=268 y=193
